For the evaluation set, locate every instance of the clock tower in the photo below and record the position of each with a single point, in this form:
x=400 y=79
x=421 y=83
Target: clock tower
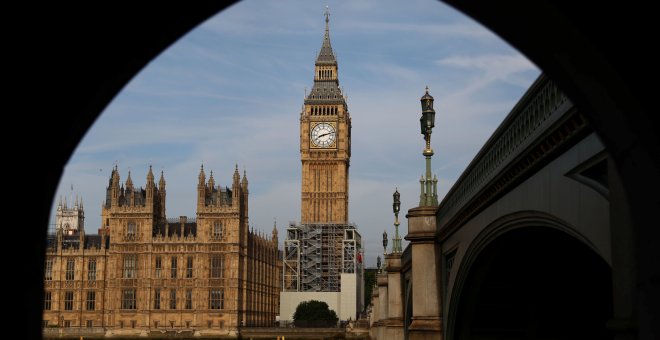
x=325 y=143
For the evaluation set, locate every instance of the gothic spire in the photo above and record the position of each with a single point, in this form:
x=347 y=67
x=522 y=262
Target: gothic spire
x=326 y=55
x=202 y=176
x=237 y=177
x=211 y=181
x=114 y=178
x=150 y=176
x=326 y=82
x=244 y=181
x=161 y=181
x=274 y=232
x=129 y=181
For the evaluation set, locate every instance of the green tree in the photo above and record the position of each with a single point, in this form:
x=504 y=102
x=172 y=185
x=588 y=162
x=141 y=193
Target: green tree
x=369 y=282
x=314 y=313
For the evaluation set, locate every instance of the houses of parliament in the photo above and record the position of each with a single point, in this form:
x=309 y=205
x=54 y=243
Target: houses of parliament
x=144 y=273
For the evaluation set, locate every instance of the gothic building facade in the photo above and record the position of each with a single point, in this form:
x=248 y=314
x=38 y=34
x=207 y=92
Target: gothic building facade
x=145 y=273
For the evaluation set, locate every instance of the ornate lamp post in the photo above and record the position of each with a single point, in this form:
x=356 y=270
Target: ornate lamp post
x=429 y=191
x=384 y=242
x=378 y=263
x=396 y=206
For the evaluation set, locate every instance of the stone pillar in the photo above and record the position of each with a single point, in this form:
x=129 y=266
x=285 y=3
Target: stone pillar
x=375 y=317
x=394 y=329
x=623 y=324
x=426 y=321
x=381 y=279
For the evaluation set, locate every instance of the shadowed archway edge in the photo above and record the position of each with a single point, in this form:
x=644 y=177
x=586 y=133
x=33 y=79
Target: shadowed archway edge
x=500 y=226
x=71 y=65
x=79 y=57
x=598 y=55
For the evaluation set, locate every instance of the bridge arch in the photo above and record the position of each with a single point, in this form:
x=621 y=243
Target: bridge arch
x=518 y=278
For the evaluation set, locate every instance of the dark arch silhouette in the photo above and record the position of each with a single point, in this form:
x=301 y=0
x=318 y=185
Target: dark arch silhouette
x=67 y=61
x=535 y=283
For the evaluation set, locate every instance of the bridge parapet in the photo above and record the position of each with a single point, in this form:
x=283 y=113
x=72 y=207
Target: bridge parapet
x=516 y=146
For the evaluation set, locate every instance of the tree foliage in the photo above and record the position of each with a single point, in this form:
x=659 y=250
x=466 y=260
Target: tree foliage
x=314 y=313
x=369 y=282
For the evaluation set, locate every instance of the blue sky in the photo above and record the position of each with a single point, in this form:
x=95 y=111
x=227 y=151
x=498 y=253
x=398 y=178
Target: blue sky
x=231 y=91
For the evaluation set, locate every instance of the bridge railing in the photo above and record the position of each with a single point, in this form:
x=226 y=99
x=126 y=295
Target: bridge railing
x=540 y=107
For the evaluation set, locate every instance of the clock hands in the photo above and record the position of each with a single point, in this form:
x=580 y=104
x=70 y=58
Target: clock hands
x=323 y=135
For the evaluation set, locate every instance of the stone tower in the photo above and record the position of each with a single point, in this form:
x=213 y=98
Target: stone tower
x=133 y=213
x=325 y=143
x=70 y=220
x=320 y=254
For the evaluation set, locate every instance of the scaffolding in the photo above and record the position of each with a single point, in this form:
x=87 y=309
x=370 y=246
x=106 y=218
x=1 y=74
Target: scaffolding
x=315 y=255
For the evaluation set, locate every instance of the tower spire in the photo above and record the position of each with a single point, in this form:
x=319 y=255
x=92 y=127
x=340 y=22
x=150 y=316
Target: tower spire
x=326 y=82
x=327 y=19
x=236 y=177
x=201 y=189
x=150 y=175
x=326 y=55
x=129 y=181
x=202 y=176
x=161 y=181
x=211 y=182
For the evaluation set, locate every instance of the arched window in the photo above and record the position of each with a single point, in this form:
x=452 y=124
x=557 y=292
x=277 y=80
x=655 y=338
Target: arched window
x=217 y=230
x=130 y=266
x=131 y=230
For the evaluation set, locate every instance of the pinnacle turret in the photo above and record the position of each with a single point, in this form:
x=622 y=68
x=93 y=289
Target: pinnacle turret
x=237 y=177
x=202 y=176
x=274 y=232
x=150 y=176
x=211 y=181
x=129 y=181
x=161 y=181
x=244 y=181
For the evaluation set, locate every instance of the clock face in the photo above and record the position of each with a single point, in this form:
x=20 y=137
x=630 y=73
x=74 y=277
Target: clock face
x=323 y=135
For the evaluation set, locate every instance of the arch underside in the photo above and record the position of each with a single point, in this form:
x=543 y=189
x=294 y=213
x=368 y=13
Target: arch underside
x=127 y=39
x=533 y=282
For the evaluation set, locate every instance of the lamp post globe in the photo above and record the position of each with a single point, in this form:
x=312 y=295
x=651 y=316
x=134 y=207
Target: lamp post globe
x=396 y=206
x=427 y=120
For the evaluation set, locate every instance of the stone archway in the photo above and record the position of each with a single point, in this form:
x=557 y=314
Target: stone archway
x=125 y=38
x=532 y=282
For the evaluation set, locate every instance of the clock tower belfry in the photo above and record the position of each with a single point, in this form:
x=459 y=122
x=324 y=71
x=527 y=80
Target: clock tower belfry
x=325 y=143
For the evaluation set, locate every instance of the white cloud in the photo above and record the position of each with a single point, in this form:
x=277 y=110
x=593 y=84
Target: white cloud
x=428 y=31
x=504 y=67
